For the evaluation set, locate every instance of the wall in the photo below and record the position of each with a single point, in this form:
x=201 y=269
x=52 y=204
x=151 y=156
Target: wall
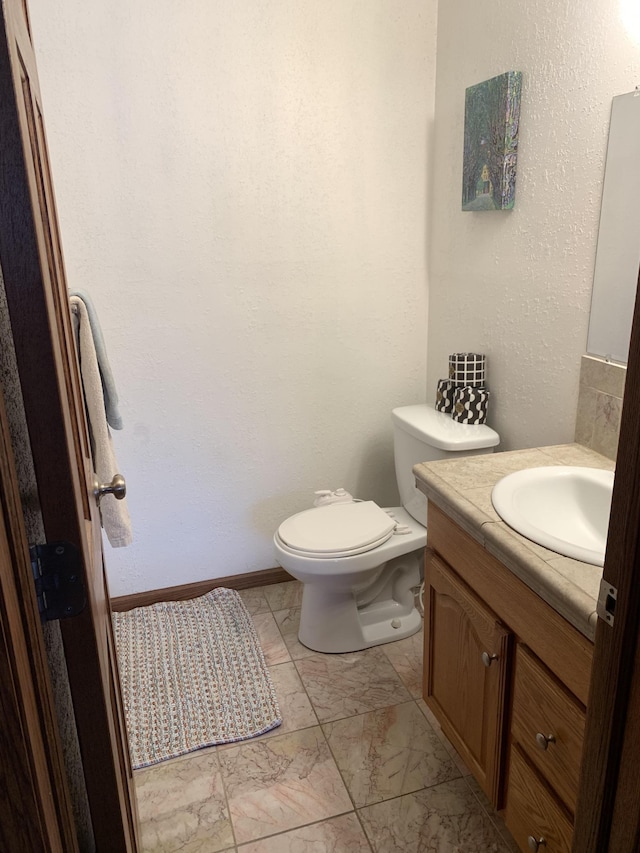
x=242 y=188
x=517 y=284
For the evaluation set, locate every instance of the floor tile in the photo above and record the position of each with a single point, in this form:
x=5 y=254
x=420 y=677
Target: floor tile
x=283 y=595
x=389 y=752
x=295 y=707
x=344 y=685
x=281 y=783
x=284 y=792
x=493 y=815
x=254 y=600
x=273 y=646
x=288 y=622
x=443 y=819
x=435 y=725
x=405 y=657
x=182 y=806
x=337 y=835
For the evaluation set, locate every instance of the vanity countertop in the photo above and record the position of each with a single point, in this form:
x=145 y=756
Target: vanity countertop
x=462 y=489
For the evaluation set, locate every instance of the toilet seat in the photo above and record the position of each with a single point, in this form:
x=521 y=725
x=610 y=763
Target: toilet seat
x=337 y=530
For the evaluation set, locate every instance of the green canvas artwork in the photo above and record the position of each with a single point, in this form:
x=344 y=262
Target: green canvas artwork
x=491 y=119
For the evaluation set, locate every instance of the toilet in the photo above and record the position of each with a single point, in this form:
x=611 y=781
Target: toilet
x=360 y=564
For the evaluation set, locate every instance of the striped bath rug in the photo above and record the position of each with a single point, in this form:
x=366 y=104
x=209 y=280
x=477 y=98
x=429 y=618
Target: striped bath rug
x=192 y=675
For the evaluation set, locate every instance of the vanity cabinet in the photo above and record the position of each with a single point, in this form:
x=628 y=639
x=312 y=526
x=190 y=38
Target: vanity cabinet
x=466 y=672
x=507 y=678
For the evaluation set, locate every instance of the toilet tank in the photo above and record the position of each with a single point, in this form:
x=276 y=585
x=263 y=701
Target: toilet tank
x=421 y=434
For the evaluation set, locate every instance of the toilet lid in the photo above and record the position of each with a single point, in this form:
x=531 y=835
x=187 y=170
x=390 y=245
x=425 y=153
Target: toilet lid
x=337 y=530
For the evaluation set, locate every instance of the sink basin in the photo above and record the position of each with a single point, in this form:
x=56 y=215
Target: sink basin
x=563 y=508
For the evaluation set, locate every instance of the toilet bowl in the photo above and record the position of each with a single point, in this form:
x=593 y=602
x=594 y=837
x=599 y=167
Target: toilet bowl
x=361 y=564
x=363 y=597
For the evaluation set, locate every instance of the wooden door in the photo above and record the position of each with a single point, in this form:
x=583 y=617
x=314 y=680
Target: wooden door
x=35 y=808
x=608 y=809
x=466 y=664
x=33 y=269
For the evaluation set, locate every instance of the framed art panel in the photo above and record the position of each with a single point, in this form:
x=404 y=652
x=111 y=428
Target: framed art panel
x=491 y=120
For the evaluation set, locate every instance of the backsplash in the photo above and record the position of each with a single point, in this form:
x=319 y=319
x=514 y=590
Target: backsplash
x=600 y=404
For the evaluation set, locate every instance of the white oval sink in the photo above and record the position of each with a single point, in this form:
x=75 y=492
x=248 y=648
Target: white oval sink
x=563 y=508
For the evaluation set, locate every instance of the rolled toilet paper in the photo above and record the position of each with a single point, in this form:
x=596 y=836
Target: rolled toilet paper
x=444 y=396
x=470 y=405
x=467 y=368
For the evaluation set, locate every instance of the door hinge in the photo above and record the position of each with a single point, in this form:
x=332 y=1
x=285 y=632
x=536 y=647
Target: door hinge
x=606 y=606
x=57 y=574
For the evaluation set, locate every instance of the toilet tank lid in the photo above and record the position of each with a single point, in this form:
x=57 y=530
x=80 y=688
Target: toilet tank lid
x=440 y=430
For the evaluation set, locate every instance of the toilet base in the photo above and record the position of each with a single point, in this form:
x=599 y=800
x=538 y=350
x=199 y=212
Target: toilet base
x=339 y=621
x=383 y=632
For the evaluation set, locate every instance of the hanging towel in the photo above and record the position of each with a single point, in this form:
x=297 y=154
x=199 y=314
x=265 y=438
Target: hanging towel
x=106 y=376
x=115 y=514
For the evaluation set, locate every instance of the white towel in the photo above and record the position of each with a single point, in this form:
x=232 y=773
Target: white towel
x=115 y=514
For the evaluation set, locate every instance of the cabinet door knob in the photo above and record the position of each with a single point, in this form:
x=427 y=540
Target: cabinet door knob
x=488 y=659
x=543 y=741
x=536 y=843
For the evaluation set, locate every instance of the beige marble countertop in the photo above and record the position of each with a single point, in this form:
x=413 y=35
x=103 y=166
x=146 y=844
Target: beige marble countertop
x=462 y=488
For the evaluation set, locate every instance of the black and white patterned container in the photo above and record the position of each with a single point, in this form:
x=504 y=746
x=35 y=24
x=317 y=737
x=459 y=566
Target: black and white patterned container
x=444 y=396
x=470 y=405
x=467 y=368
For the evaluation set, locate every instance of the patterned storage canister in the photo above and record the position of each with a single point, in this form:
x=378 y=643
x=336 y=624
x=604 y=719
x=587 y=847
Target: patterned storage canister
x=470 y=405
x=467 y=368
x=444 y=396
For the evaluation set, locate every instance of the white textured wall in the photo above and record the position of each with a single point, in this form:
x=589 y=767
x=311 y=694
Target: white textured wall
x=242 y=187
x=517 y=285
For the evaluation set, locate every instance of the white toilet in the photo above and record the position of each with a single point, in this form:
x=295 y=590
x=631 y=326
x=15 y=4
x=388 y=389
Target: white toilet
x=360 y=564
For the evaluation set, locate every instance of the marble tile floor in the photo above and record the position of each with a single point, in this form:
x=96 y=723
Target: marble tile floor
x=359 y=764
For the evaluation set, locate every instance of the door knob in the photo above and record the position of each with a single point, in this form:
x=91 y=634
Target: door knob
x=488 y=659
x=543 y=741
x=536 y=843
x=117 y=487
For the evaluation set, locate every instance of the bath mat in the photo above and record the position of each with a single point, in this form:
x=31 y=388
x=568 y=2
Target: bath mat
x=193 y=675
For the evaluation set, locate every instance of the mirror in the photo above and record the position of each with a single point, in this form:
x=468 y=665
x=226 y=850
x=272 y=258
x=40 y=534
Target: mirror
x=618 y=252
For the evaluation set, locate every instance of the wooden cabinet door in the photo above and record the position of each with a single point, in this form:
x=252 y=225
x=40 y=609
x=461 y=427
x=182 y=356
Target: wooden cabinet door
x=542 y=706
x=466 y=663
x=533 y=814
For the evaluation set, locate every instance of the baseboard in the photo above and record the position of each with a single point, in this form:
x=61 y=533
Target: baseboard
x=193 y=590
